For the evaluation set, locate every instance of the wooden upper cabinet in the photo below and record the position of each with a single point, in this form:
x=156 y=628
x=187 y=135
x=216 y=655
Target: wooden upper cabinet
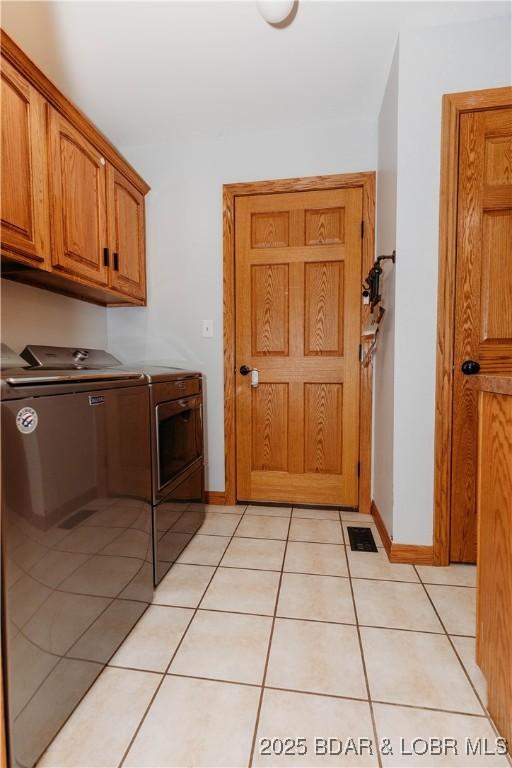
x=72 y=208
x=24 y=186
x=125 y=206
x=78 y=202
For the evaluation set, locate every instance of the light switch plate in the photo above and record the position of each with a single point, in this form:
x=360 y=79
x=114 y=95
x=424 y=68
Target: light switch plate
x=207 y=329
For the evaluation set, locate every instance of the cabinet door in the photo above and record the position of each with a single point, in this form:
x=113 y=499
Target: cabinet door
x=24 y=185
x=126 y=235
x=77 y=200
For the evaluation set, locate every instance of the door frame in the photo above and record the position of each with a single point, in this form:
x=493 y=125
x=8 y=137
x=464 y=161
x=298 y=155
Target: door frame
x=365 y=181
x=454 y=105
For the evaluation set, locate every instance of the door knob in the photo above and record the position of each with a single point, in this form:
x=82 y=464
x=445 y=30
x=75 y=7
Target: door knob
x=245 y=370
x=470 y=367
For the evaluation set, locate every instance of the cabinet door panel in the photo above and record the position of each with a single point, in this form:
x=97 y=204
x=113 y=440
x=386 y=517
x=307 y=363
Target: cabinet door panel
x=24 y=186
x=78 y=206
x=126 y=235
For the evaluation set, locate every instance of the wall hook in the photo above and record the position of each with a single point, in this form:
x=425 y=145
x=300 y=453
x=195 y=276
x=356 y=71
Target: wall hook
x=371 y=289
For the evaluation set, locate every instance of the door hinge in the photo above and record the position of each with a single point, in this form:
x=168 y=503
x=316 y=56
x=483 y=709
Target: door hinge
x=362 y=229
x=359 y=469
x=360 y=353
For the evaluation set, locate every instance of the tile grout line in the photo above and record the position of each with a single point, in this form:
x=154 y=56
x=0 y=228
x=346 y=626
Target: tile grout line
x=485 y=710
x=275 y=616
x=321 y=694
x=363 y=660
x=269 y=648
x=164 y=675
x=452 y=644
x=262 y=686
x=302 y=618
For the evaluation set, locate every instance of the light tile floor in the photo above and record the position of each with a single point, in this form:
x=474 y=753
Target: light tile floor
x=270 y=628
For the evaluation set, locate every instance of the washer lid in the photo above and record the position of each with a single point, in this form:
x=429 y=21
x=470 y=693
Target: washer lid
x=62 y=358
x=25 y=377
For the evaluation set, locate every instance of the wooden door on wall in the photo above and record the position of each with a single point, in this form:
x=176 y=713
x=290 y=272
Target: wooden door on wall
x=298 y=307
x=126 y=235
x=78 y=202
x=483 y=304
x=24 y=186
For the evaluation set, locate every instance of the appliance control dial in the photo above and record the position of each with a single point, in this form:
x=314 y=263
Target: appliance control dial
x=80 y=355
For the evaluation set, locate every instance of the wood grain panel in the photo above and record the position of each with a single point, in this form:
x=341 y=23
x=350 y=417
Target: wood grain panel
x=494 y=592
x=413 y=554
x=323 y=289
x=498 y=161
x=284 y=487
x=301 y=290
x=496 y=301
x=299 y=254
x=483 y=311
x=24 y=169
x=17 y=209
x=454 y=105
x=270 y=427
x=497 y=197
x=381 y=527
x=296 y=485
x=126 y=235
x=80 y=192
x=463 y=503
x=229 y=341
x=323 y=428
x=325 y=226
x=215 y=498
x=269 y=308
x=78 y=202
x=270 y=230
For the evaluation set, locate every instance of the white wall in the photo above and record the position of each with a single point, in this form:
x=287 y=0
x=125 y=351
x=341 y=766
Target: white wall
x=184 y=241
x=431 y=62
x=385 y=355
x=34 y=316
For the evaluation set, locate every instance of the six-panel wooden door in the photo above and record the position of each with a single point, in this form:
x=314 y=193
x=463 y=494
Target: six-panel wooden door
x=483 y=311
x=298 y=309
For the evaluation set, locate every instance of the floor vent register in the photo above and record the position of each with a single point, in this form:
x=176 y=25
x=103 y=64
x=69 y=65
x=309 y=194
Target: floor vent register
x=361 y=539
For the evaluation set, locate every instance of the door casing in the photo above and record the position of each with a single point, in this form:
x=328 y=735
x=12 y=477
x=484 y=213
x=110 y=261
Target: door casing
x=364 y=180
x=454 y=105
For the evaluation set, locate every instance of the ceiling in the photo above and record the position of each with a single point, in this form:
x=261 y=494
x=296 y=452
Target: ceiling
x=157 y=71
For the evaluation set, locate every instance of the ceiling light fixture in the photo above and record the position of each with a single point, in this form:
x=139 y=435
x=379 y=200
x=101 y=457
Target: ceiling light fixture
x=275 y=12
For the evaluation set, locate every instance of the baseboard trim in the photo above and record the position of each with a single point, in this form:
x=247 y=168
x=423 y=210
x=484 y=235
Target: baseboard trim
x=216 y=497
x=383 y=531
x=411 y=554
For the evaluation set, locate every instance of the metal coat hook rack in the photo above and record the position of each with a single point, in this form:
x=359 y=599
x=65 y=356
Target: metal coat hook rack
x=372 y=296
x=371 y=289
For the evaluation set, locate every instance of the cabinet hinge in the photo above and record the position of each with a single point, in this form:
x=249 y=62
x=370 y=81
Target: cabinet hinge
x=359 y=469
x=362 y=229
